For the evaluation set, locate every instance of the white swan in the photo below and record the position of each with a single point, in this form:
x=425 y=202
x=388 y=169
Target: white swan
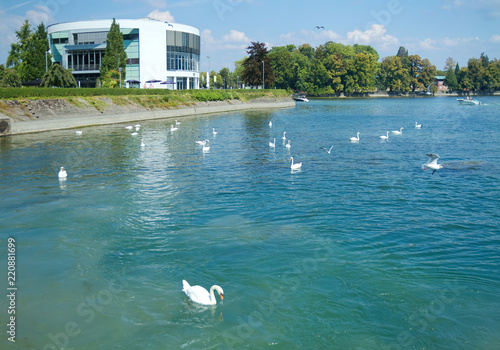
x=327 y=150
x=202 y=143
x=177 y=123
x=206 y=147
x=272 y=144
x=270 y=124
x=200 y=295
x=385 y=137
x=417 y=126
x=173 y=128
x=355 y=139
x=137 y=127
x=432 y=163
x=284 y=136
x=78 y=132
x=288 y=144
x=214 y=132
x=395 y=132
x=296 y=165
x=134 y=133
x=142 y=143
x=62 y=173
x=128 y=127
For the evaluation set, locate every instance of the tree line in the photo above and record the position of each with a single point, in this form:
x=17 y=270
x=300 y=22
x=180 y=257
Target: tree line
x=335 y=68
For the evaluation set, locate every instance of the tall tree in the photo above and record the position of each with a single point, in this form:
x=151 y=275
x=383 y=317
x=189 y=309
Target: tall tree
x=402 y=52
x=27 y=56
x=114 y=56
x=451 y=79
x=257 y=63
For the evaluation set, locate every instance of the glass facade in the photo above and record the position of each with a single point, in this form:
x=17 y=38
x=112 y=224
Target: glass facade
x=82 y=51
x=183 y=51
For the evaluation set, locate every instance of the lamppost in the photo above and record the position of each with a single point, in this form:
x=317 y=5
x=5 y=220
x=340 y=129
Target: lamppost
x=208 y=74
x=46 y=64
x=263 y=87
x=120 y=70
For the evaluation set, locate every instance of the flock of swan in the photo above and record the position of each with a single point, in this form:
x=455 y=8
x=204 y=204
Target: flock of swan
x=431 y=162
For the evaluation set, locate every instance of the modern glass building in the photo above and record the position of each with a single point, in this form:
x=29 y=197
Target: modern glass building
x=159 y=54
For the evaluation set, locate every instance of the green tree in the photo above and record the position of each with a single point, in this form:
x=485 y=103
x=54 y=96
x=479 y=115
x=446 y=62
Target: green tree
x=27 y=56
x=283 y=64
x=225 y=77
x=464 y=79
x=361 y=73
x=393 y=75
x=114 y=56
x=10 y=78
x=427 y=73
x=451 y=79
x=41 y=58
x=255 y=64
x=59 y=77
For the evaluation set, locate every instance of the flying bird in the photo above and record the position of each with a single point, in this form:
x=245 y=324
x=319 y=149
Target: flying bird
x=432 y=163
x=320 y=27
x=327 y=150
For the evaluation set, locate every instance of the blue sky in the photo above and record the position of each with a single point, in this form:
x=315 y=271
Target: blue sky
x=433 y=29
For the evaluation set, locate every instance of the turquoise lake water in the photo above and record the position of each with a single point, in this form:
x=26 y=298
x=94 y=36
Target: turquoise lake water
x=360 y=249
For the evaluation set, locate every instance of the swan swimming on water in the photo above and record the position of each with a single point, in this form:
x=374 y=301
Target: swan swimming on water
x=288 y=144
x=272 y=144
x=142 y=143
x=206 y=146
x=296 y=165
x=395 y=132
x=62 y=173
x=214 y=132
x=432 y=163
x=385 y=137
x=200 y=295
x=417 y=126
x=355 y=139
x=284 y=136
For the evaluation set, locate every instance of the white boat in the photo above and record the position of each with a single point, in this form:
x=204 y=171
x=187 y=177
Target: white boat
x=300 y=97
x=468 y=101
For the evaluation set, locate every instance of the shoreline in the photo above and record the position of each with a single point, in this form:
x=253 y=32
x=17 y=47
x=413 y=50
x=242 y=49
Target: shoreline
x=64 y=116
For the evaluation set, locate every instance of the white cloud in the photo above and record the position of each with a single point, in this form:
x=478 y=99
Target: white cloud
x=375 y=35
x=235 y=37
x=427 y=44
x=163 y=16
x=39 y=14
x=234 y=40
x=495 y=38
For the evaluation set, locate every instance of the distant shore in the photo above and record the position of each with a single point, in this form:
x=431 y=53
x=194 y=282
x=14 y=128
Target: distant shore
x=384 y=94
x=31 y=116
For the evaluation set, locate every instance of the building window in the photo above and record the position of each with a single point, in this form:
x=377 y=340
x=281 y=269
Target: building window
x=183 y=51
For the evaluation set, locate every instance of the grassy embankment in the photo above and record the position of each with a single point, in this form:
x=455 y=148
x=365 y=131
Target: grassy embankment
x=148 y=98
